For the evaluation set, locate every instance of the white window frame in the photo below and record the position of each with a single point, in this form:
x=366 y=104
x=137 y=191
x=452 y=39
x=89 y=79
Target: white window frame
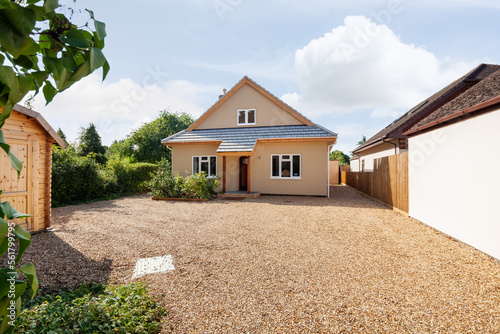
x=246 y=116
x=199 y=164
x=291 y=177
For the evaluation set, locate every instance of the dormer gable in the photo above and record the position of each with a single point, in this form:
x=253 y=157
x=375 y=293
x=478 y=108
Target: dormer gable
x=248 y=104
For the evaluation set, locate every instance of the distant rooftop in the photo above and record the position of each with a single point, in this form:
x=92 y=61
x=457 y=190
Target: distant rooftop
x=428 y=106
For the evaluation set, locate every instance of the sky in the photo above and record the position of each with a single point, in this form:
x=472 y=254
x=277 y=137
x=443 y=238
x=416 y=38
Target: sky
x=350 y=66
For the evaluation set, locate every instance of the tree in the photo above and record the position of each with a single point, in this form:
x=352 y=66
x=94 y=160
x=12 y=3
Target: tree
x=362 y=141
x=40 y=49
x=62 y=135
x=340 y=156
x=144 y=144
x=90 y=144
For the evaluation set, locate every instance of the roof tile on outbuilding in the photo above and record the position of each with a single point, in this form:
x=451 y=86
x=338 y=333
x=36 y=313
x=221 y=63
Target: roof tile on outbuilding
x=484 y=91
x=428 y=106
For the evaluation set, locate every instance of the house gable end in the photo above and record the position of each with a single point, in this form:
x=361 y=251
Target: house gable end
x=248 y=95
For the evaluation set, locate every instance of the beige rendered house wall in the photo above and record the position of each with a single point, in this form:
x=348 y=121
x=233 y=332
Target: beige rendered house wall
x=314 y=169
x=182 y=156
x=267 y=112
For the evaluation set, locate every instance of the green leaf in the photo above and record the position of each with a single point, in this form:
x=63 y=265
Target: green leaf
x=23 y=19
x=6 y=273
x=13 y=41
x=105 y=70
x=49 y=92
x=100 y=29
x=82 y=71
x=77 y=39
x=16 y=163
x=4 y=228
x=24 y=241
x=97 y=59
x=10 y=212
x=29 y=270
x=51 y=5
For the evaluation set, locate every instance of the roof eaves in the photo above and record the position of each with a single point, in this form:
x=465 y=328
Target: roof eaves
x=43 y=123
x=456 y=116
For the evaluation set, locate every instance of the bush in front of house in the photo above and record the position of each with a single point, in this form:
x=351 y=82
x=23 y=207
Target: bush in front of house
x=94 y=309
x=77 y=179
x=166 y=184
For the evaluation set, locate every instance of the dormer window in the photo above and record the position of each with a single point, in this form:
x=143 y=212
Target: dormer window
x=246 y=117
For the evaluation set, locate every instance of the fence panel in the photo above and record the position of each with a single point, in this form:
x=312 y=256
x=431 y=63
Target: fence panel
x=387 y=183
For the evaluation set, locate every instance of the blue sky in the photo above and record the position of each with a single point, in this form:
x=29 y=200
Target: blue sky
x=351 y=66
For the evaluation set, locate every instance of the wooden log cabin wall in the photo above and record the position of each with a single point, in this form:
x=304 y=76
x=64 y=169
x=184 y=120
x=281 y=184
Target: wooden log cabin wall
x=30 y=138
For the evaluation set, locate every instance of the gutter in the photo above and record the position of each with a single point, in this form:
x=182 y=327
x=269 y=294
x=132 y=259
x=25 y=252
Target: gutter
x=388 y=142
x=455 y=117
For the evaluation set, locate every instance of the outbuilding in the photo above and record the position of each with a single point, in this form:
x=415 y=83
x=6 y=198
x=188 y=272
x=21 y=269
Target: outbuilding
x=30 y=138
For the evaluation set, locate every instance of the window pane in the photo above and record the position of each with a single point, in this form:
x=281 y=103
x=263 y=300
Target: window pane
x=296 y=165
x=276 y=165
x=251 y=116
x=204 y=167
x=204 y=158
x=213 y=166
x=285 y=168
x=241 y=117
x=285 y=157
x=196 y=165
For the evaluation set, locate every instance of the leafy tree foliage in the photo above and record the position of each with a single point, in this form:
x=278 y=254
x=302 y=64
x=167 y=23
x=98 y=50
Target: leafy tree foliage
x=62 y=135
x=144 y=144
x=40 y=49
x=90 y=144
x=340 y=156
x=362 y=141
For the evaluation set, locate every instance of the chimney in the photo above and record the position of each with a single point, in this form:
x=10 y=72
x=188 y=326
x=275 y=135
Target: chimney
x=224 y=91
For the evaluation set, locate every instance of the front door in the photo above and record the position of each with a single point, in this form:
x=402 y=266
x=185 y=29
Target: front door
x=243 y=173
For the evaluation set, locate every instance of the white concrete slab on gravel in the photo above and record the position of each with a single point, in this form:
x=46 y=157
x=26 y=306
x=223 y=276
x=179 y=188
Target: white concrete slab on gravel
x=154 y=265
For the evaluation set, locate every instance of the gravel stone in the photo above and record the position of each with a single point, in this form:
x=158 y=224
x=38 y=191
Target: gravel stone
x=278 y=264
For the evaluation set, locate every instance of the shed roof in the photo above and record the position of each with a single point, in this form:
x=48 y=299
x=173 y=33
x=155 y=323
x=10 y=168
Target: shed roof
x=477 y=99
x=244 y=139
x=43 y=123
x=426 y=107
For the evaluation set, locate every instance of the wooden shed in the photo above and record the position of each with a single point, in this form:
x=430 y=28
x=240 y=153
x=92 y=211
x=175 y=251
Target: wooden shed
x=30 y=138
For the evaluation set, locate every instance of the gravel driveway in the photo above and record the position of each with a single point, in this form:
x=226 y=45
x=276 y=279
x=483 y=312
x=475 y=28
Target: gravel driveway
x=279 y=264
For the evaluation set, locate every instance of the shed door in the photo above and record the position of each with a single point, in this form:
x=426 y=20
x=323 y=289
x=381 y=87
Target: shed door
x=19 y=191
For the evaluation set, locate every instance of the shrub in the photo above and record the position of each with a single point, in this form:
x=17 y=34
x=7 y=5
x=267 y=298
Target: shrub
x=131 y=176
x=164 y=183
x=77 y=179
x=94 y=309
x=74 y=178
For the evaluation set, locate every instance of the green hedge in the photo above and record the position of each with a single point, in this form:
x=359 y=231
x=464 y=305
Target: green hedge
x=93 y=309
x=77 y=179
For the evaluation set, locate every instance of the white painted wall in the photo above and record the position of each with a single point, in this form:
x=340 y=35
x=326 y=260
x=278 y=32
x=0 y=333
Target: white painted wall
x=454 y=181
x=355 y=166
x=380 y=151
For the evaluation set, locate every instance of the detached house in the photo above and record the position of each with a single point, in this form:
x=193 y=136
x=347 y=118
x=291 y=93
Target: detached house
x=255 y=143
x=392 y=139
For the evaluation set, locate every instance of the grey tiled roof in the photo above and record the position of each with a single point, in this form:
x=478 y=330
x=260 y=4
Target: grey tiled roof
x=244 y=139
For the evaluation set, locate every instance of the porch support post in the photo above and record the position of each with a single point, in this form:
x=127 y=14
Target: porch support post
x=248 y=175
x=224 y=174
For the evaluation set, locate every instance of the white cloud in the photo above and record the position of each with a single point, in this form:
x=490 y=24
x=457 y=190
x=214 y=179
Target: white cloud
x=119 y=107
x=361 y=64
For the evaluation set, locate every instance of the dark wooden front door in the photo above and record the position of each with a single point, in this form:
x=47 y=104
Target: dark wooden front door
x=243 y=173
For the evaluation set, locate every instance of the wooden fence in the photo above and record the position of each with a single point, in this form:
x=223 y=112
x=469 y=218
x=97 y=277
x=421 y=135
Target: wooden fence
x=387 y=183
